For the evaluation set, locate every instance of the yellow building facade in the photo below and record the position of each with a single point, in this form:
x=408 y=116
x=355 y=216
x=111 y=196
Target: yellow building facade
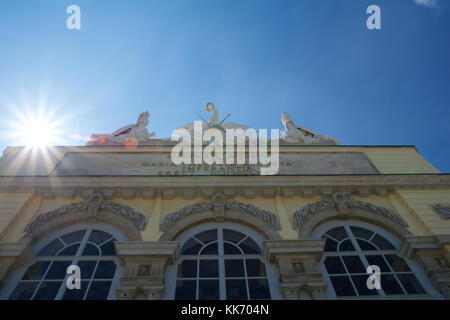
x=140 y=227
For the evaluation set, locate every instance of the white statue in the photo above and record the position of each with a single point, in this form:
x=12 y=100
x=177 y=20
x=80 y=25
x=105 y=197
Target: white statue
x=302 y=135
x=138 y=131
x=214 y=122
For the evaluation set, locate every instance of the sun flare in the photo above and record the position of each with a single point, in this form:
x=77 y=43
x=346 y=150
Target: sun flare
x=37 y=130
x=38 y=133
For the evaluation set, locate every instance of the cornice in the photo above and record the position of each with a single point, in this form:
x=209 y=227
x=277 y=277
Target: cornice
x=188 y=187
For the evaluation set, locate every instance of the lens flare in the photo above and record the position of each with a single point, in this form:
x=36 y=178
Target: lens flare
x=36 y=129
x=38 y=133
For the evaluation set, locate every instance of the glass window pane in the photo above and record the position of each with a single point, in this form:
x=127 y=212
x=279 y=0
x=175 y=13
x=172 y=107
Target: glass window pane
x=70 y=250
x=255 y=268
x=105 y=270
x=334 y=265
x=47 y=290
x=330 y=245
x=36 y=271
x=108 y=248
x=338 y=233
x=72 y=237
x=378 y=261
x=187 y=269
x=185 y=290
x=98 y=236
x=346 y=245
x=382 y=243
x=86 y=268
x=249 y=246
x=99 y=290
x=24 y=291
x=232 y=236
x=208 y=289
x=90 y=250
x=236 y=290
x=58 y=270
x=76 y=294
x=234 y=268
x=361 y=233
x=207 y=236
x=210 y=249
x=354 y=264
x=365 y=245
x=390 y=285
x=411 y=284
x=259 y=289
x=209 y=268
x=397 y=263
x=52 y=248
x=360 y=283
x=231 y=249
x=342 y=286
x=192 y=246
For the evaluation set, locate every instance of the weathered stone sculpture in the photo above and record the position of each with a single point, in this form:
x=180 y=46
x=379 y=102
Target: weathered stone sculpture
x=213 y=123
x=302 y=135
x=129 y=135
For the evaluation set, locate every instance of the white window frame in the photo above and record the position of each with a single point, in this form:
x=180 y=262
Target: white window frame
x=271 y=270
x=431 y=292
x=17 y=275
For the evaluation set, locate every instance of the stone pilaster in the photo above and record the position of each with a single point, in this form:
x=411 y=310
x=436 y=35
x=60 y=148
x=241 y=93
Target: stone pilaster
x=144 y=264
x=13 y=255
x=298 y=263
x=433 y=254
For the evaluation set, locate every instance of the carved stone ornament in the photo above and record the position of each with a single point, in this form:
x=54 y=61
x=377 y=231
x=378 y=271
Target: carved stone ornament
x=443 y=212
x=342 y=202
x=93 y=206
x=302 y=135
x=128 y=135
x=220 y=203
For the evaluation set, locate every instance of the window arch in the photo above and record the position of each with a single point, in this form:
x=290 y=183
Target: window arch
x=351 y=247
x=90 y=247
x=221 y=261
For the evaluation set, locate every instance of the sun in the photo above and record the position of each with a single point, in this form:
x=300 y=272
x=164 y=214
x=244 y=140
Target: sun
x=37 y=130
x=38 y=133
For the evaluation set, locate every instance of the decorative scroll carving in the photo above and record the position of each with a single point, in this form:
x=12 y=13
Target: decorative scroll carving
x=443 y=212
x=219 y=204
x=93 y=206
x=341 y=202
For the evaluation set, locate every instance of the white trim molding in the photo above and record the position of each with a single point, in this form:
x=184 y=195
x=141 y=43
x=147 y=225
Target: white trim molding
x=93 y=210
x=340 y=206
x=219 y=204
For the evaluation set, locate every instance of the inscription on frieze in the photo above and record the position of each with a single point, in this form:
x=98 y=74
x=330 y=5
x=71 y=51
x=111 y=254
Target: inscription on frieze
x=160 y=164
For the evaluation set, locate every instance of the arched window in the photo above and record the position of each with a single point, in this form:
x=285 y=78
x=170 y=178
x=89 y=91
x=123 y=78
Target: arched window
x=351 y=249
x=222 y=261
x=91 y=249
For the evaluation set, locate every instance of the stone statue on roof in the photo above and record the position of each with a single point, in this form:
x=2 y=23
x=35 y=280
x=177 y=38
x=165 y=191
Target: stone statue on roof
x=302 y=135
x=213 y=122
x=132 y=133
x=138 y=131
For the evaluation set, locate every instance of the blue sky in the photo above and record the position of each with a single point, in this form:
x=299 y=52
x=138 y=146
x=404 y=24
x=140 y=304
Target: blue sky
x=314 y=59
